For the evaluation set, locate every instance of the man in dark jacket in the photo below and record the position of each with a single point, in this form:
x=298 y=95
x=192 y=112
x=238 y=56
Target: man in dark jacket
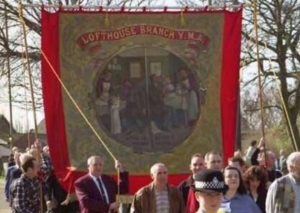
x=96 y=192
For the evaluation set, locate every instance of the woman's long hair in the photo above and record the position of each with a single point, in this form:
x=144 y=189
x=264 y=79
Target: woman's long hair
x=259 y=173
x=241 y=189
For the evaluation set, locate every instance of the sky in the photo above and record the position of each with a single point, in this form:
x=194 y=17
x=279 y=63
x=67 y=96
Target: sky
x=22 y=119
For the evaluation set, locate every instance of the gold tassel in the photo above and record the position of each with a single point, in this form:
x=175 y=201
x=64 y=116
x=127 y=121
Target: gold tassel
x=106 y=20
x=182 y=19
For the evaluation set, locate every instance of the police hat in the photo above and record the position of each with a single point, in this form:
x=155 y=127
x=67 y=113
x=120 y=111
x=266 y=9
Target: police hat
x=210 y=180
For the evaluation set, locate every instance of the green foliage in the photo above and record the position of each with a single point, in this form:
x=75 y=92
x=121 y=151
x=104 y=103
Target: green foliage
x=278 y=138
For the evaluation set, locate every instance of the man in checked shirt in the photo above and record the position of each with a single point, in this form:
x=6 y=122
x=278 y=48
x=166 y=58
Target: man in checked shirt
x=25 y=191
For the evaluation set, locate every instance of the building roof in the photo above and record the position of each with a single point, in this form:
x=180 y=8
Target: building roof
x=4 y=151
x=28 y=139
x=42 y=127
x=3 y=142
x=5 y=129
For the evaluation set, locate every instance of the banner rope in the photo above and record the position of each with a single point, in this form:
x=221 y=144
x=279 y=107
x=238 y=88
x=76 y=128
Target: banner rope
x=62 y=84
x=77 y=106
x=277 y=82
x=84 y=117
x=287 y=116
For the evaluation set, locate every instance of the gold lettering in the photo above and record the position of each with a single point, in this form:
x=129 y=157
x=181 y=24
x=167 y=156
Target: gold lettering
x=84 y=40
x=122 y=33
x=200 y=37
x=109 y=35
x=172 y=35
x=166 y=33
x=154 y=31
x=161 y=31
x=133 y=30
x=180 y=33
x=116 y=35
x=142 y=29
x=127 y=31
x=148 y=29
x=91 y=37
x=190 y=35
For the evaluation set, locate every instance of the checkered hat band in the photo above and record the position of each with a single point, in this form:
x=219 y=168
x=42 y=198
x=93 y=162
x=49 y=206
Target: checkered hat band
x=209 y=185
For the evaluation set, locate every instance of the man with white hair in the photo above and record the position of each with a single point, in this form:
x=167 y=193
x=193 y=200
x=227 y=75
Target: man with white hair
x=96 y=192
x=158 y=196
x=284 y=193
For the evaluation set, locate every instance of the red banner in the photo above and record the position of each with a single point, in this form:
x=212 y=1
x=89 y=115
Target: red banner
x=157 y=89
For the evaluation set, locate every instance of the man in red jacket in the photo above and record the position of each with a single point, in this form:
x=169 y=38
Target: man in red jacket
x=187 y=186
x=97 y=192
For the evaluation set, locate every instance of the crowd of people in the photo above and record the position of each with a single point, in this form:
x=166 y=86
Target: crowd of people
x=257 y=182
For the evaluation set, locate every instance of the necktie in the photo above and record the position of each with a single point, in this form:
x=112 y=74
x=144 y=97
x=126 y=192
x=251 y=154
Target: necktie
x=102 y=192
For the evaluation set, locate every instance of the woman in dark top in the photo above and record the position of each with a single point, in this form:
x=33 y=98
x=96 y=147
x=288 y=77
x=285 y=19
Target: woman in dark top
x=256 y=180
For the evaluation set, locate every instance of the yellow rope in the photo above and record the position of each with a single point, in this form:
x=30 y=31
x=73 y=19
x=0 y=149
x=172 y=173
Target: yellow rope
x=77 y=106
x=277 y=82
x=106 y=20
x=84 y=117
x=276 y=78
x=182 y=18
x=255 y=14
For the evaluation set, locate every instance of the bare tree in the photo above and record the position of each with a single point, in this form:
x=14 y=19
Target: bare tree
x=278 y=41
x=12 y=45
x=250 y=108
x=279 y=57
